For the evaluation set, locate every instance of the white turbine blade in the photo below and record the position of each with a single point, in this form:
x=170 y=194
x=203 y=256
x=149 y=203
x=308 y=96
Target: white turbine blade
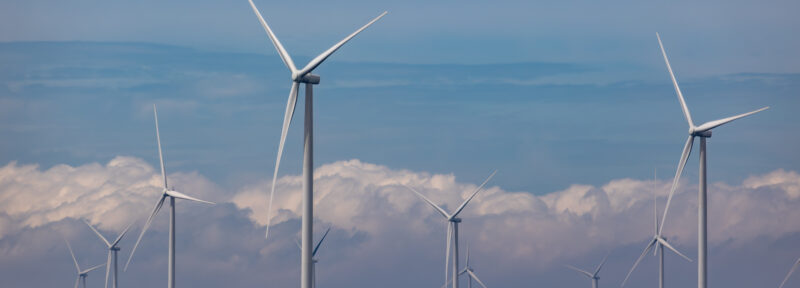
x=666 y=244
x=438 y=209
x=601 y=265
x=463 y=271
x=180 y=195
x=473 y=194
x=287 y=119
x=108 y=268
x=476 y=278
x=467 y=264
x=144 y=228
x=314 y=252
x=98 y=233
x=579 y=270
x=318 y=60
x=649 y=246
x=716 y=123
x=687 y=150
x=447 y=251
x=160 y=155
x=790 y=273
x=298 y=244
x=447 y=283
x=77 y=267
x=77 y=280
x=281 y=51
x=122 y=234
x=675 y=83
x=93 y=268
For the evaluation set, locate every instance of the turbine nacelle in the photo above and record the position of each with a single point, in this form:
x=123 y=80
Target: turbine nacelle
x=454 y=220
x=305 y=78
x=699 y=133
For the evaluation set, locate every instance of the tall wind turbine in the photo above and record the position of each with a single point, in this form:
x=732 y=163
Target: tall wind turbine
x=314 y=258
x=452 y=228
x=659 y=242
x=592 y=276
x=172 y=195
x=302 y=76
x=82 y=274
x=703 y=131
x=790 y=272
x=113 y=248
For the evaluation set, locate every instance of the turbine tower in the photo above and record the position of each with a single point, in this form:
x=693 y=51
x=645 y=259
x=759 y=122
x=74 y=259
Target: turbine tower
x=452 y=229
x=172 y=195
x=790 y=272
x=82 y=274
x=302 y=76
x=703 y=131
x=592 y=276
x=113 y=248
x=659 y=242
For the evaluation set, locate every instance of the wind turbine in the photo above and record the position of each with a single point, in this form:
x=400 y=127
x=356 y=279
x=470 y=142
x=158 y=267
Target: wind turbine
x=172 y=195
x=452 y=228
x=790 y=272
x=302 y=76
x=112 y=252
x=659 y=242
x=470 y=273
x=592 y=276
x=703 y=131
x=314 y=258
x=82 y=274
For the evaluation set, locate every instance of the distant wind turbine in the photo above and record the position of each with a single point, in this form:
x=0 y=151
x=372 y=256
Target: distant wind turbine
x=113 y=248
x=790 y=272
x=82 y=274
x=452 y=228
x=314 y=258
x=301 y=76
x=703 y=131
x=659 y=242
x=470 y=273
x=172 y=195
x=594 y=276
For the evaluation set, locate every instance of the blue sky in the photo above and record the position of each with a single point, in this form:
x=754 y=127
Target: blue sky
x=556 y=96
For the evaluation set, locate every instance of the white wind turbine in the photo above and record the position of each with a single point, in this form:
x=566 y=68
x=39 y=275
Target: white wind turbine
x=470 y=273
x=113 y=248
x=314 y=258
x=659 y=242
x=790 y=272
x=703 y=131
x=302 y=76
x=172 y=195
x=82 y=274
x=452 y=229
x=592 y=276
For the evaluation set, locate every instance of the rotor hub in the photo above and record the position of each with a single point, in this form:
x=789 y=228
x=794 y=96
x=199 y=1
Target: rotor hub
x=704 y=134
x=307 y=78
x=455 y=220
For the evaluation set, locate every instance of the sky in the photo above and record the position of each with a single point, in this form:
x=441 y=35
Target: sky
x=570 y=101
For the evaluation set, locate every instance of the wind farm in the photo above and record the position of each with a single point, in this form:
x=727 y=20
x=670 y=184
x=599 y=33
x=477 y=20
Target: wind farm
x=527 y=131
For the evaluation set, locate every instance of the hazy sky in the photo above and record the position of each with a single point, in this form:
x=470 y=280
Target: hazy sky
x=570 y=101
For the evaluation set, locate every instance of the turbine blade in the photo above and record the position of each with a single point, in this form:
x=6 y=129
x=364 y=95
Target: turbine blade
x=476 y=278
x=98 y=233
x=579 y=270
x=646 y=249
x=601 y=265
x=462 y=271
x=467 y=256
x=180 y=195
x=716 y=123
x=687 y=150
x=77 y=280
x=675 y=83
x=790 y=273
x=160 y=155
x=275 y=42
x=144 y=228
x=287 y=119
x=314 y=252
x=447 y=283
x=108 y=268
x=318 y=60
x=438 y=209
x=298 y=244
x=93 y=268
x=77 y=267
x=447 y=251
x=474 y=193
x=122 y=234
x=666 y=244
